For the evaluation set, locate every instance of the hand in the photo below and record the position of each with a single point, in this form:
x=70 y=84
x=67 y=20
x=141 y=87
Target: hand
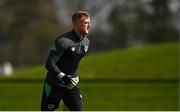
x=66 y=80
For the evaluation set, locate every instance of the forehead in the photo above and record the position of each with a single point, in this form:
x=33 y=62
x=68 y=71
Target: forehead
x=85 y=19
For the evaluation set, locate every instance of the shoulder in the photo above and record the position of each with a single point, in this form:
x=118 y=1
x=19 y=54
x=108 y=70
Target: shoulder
x=86 y=41
x=64 y=40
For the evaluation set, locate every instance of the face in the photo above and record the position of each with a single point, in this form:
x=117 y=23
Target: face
x=82 y=25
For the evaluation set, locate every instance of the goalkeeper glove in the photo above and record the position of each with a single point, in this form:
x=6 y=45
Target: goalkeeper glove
x=68 y=81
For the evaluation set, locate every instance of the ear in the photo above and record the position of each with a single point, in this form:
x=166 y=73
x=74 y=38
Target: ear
x=76 y=24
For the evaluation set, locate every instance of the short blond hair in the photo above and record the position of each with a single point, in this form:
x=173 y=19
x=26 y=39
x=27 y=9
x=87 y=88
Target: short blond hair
x=80 y=14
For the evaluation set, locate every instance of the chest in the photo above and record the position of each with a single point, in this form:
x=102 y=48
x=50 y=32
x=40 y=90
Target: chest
x=77 y=50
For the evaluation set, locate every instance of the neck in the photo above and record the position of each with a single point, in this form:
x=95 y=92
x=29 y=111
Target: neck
x=78 y=33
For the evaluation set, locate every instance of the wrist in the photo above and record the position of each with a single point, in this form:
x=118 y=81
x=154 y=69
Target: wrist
x=61 y=74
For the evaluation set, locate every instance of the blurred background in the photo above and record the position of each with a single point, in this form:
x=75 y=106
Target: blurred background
x=133 y=60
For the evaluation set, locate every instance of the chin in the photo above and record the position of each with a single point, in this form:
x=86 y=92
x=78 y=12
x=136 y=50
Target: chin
x=86 y=32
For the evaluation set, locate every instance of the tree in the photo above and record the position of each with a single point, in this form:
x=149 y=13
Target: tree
x=28 y=26
x=159 y=25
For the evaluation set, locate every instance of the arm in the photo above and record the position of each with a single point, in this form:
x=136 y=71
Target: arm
x=54 y=55
x=51 y=63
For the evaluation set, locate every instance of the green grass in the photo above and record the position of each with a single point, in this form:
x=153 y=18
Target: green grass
x=20 y=96
x=130 y=96
x=157 y=61
x=122 y=79
x=97 y=96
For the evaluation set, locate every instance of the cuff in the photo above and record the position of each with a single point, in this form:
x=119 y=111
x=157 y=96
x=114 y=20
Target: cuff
x=61 y=74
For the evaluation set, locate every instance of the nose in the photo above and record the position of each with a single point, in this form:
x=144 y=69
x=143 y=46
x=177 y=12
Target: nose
x=89 y=25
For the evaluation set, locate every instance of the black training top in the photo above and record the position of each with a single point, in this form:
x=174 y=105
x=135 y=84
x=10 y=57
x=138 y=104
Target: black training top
x=65 y=54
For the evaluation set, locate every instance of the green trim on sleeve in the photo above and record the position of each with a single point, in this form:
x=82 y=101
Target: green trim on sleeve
x=54 y=47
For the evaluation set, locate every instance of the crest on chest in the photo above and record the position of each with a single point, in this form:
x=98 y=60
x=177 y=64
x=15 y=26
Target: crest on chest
x=85 y=48
x=73 y=49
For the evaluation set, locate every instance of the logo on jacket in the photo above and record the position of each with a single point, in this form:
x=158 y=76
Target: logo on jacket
x=50 y=106
x=73 y=49
x=86 y=48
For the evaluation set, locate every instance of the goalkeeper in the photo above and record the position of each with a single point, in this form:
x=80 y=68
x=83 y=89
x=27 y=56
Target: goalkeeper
x=62 y=65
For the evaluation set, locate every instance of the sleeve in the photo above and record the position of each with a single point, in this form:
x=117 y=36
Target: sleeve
x=55 y=54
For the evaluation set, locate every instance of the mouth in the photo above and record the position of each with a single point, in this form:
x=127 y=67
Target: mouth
x=88 y=28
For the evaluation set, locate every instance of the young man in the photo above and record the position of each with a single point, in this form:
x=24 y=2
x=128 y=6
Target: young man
x=62 y=65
